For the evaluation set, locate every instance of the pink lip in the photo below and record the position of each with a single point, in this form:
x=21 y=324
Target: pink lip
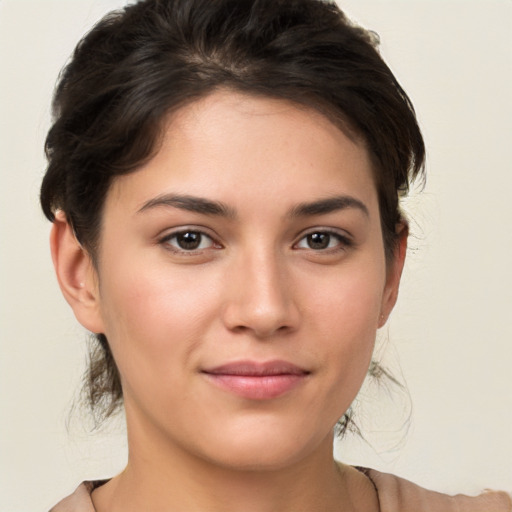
x=255 y=380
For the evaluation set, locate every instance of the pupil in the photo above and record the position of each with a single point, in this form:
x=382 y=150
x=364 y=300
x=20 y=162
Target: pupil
x=189 y=240
x=318 y=240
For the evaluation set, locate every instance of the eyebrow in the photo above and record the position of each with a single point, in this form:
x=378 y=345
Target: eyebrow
x=191 y=204
x=328 y=205
x=217 y=208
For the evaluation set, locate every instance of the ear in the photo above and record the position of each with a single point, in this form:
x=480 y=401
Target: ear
x=394 y=273
x=76 y=274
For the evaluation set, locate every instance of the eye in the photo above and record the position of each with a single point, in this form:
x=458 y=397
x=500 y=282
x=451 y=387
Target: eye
x=322 y=240
x=188 y=240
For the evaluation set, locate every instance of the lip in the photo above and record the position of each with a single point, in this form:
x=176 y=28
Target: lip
x=257 y=380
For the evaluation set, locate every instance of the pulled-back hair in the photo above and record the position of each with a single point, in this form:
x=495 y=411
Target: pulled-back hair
x=141 y=63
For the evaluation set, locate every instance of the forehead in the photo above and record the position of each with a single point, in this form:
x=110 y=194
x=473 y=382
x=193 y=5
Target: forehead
x=231 y=146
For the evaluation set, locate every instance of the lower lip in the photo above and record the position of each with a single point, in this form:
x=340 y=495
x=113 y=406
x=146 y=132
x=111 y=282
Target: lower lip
x=257 y=387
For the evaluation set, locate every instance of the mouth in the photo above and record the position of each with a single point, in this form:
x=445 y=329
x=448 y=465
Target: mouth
x=255 y=380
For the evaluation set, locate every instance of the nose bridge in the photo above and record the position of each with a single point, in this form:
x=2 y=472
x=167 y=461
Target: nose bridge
x=261 y=296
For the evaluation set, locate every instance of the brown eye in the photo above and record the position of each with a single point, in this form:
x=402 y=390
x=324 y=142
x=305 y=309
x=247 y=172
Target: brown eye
x=318 y=240
x=322 y=240
x=189 y=241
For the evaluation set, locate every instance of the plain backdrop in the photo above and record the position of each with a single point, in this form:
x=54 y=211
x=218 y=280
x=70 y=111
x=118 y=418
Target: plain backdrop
x=449 y=339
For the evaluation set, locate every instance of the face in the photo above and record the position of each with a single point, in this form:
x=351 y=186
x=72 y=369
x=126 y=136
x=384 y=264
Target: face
x=240 y=282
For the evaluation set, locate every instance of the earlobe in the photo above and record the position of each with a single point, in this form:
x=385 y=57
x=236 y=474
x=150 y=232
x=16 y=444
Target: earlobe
x=394 y=274
x=76 y=274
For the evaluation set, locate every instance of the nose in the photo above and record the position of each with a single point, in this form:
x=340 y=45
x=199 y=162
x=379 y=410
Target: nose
x=260 y=297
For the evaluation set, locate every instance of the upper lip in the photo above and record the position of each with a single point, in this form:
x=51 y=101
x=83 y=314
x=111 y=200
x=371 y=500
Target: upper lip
x=256 y=368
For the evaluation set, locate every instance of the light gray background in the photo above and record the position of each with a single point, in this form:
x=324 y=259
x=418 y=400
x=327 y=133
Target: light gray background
x=450 y=335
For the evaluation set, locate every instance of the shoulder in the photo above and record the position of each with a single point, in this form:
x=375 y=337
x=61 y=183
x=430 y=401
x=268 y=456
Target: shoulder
x=395 y=495
x=80 y=500
x=399 y=495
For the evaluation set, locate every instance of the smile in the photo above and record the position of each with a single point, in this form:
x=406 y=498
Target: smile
x=257 y=381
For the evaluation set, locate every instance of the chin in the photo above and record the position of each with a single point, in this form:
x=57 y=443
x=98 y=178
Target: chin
x=265 y=449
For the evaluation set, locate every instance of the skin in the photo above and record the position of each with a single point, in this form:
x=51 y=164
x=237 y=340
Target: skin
x=256 y=288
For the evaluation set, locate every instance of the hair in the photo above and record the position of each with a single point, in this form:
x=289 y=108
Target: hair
x=141 y=63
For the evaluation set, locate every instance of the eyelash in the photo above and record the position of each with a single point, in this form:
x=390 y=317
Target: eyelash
x=344 y=242
x=166 y=240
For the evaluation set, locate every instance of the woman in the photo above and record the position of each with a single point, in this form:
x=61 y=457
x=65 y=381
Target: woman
x=223 y=183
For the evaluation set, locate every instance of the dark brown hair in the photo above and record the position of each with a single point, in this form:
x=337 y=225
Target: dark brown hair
x=140 y=63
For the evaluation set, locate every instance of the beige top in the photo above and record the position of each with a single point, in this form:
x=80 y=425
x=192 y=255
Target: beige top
x=395 y=495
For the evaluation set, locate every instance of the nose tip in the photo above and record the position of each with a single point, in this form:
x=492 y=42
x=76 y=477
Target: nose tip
x=261 y=322
x=261 y=301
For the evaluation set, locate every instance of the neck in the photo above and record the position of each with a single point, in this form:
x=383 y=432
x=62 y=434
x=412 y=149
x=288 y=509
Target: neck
x=162 y=476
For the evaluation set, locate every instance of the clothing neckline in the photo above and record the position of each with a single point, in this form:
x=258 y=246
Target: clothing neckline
x=91 y=485
x=366 y=473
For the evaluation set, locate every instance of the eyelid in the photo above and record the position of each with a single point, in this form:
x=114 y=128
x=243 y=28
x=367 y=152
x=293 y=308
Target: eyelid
x=346 y=240
x=172 y=233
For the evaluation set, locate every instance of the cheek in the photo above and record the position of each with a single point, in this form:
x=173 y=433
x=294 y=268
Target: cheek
x=345 y=320
x=151 y=298
x=154 y=321
x=349 y=301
